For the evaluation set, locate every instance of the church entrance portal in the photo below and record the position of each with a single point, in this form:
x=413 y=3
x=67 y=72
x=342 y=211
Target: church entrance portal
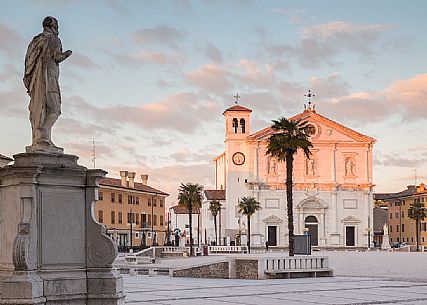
x=349 y=236
x=312 y=225
x=272 y=235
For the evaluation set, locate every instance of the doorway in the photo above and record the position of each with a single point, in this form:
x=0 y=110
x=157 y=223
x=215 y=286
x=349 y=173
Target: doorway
x=272 y=235
x=312 y=225
x=350 y=236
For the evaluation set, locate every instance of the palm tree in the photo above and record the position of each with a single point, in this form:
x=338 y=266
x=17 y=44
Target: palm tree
x=215 y=208
x=417 y=212
x=288 y=137
x=248 y=206
x=190 y=196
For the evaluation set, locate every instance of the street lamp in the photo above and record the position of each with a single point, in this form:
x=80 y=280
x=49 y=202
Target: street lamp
x=368 y=231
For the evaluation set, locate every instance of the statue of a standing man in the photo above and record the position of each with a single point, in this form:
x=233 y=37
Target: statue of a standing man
x=41 y=80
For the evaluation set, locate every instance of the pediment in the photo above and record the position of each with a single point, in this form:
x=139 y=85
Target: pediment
x=350 y=219
x=273 y=220
x=312 y=203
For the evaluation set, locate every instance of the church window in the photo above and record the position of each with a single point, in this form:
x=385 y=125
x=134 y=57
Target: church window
x=235 y=125
x=310 y=130
x=242 y=125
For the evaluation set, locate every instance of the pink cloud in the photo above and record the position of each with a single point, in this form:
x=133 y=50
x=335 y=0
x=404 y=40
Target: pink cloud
x=82 y=61
x=162 y=34
x=10 y=42
x=211 y=77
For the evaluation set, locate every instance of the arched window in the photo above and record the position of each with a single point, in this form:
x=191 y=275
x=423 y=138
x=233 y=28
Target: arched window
x=242 y=125
x=311 y=219
x=235 y=125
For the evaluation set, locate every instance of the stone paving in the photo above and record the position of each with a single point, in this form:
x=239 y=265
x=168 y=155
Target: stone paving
x=362 y=278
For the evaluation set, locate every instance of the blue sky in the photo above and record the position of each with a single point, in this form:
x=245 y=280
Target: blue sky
x=150 y=79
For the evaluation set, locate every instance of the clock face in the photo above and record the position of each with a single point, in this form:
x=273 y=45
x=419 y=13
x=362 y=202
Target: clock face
x=238 y=158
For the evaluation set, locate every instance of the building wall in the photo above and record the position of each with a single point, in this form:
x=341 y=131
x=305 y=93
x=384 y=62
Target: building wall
x=120 y=230
x=181 y=222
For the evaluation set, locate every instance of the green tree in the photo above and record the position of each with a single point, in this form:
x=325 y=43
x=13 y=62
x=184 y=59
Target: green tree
x=283 y=144
x=248 y=206
x=417 y=212
x=215 y=208
x=190 y=196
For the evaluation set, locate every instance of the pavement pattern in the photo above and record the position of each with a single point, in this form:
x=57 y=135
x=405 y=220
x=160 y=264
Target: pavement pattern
x=361 y=278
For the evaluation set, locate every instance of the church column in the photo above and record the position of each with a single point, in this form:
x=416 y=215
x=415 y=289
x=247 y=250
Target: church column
x=334 y=164
x=334 y=207
x=322 y=229
x=256 y=161
x=301 y=221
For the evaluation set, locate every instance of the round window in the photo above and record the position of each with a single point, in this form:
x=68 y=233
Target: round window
x=310 y=130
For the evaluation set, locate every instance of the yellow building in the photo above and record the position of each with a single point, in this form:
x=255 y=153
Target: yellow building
x=401 y=227
x=129 y=208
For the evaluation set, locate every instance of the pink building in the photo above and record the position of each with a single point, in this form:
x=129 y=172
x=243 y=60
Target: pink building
x=333 y=190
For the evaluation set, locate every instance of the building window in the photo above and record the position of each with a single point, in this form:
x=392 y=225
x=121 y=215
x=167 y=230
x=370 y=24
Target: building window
x=131 y=217
x=398 y=239
x=120 y=198
x=131 y=199
x=397 y=215
x=100 y=196
x=137 y=199
x=137 y=235
x=144 y=220
x=391 y=215
x=403 y=214
x=403 y=227
x=113 y=197
x=161 y=203
x=391 y=239
x=161 y=220
x=412 y=239
x=101 y=216
x=397 y=228
x=423 y=226
x=235 y=125
x=155 y=203
x=154 y=220
x=137 y=219
x=113 y=217
x=120 y=218
x=242 y=126
x=149 y=202
x=391 y=229
x=149 y=220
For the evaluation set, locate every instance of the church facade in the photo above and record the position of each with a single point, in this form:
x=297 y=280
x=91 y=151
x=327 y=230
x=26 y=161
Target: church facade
x=333 y=189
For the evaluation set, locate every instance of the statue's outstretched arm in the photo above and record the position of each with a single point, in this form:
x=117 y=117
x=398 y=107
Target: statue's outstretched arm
x=58 y=55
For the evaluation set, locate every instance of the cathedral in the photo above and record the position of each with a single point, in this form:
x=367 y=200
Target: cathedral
x=333 y=189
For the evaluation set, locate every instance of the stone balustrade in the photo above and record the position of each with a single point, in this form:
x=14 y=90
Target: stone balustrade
x=227 y=249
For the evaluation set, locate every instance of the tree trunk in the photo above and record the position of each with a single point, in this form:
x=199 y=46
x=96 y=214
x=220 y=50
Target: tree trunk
x=190 y=219
x=289 y=199
x=216 y=231
x=249 y=233
x=417 y=223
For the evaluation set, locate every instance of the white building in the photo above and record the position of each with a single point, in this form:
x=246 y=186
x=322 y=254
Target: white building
x=332 y=190
x=179 y=222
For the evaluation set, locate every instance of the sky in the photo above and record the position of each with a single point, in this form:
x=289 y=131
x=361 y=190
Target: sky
x=148 y=80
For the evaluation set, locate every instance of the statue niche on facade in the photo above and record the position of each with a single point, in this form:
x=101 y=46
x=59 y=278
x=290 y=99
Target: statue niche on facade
x=41 y=80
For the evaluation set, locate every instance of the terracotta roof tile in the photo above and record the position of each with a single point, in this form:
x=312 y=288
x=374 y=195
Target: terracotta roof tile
x=215 y=194
x=178 y=209
x=138 y=186
x=237 y=108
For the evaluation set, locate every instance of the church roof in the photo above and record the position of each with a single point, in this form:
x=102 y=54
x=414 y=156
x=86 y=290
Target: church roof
x=237 y=108
x=138 y=186
x=215 y=194
x=5 y=158
x=179 y=209
x=306 y=114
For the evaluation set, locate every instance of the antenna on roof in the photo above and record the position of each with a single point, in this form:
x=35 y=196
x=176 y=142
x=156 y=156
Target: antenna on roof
x=237 y=96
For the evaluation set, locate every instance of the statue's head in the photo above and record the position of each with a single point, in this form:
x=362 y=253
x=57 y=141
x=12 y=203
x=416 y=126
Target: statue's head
x=50 y=23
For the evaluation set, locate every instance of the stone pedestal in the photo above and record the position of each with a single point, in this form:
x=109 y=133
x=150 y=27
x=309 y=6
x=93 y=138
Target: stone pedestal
x=386 y=243
x=52 y=251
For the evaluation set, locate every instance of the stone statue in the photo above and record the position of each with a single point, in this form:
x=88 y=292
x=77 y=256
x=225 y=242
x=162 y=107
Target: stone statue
x=385 y=229
x=311 y=167
x=349 y=167
x=271 y=166
x=41 y=80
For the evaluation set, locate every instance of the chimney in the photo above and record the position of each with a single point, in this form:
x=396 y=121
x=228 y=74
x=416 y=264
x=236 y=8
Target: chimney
x=131 y=176
x=144 y=179
x=123 y=178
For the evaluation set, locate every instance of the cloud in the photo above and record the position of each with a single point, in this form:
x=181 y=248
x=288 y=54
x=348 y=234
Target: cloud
x=409 y=96
x=82 y=61
x=143 y=57
x=320 y=44
x=162 y=34
x=71 y=127
x=332 y=86
x=213 y=53
x=10 y=41
x=184 y=155
x=211 y=77
x=295 y=16
x=182 y=112
x=13 y=102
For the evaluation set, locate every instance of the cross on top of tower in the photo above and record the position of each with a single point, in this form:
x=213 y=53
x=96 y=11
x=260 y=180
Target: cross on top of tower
x=309 y=95
x=237 y=96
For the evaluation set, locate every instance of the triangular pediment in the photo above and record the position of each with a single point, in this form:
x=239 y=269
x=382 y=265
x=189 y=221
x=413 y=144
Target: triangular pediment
x=350 y=219
x=273 y=220
x=327 y=130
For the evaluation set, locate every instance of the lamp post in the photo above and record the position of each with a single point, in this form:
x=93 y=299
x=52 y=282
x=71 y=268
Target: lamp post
x=368 y=231
x=130 y=219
